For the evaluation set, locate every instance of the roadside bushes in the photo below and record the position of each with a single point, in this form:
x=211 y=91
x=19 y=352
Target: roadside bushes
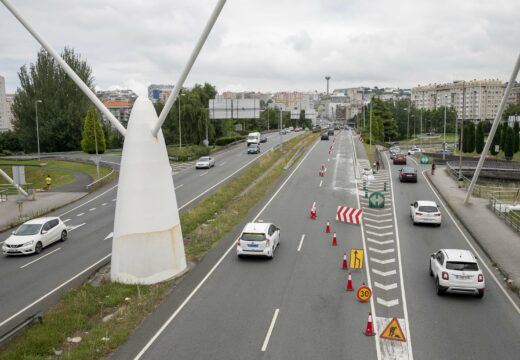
x=228 y=139
x=188 y=153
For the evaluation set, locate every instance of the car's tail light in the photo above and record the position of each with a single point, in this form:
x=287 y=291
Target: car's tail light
x=267 y=242
x=437 y=214
x=418 y=213
x=238 y=242
x=445 y=275
x=480 y=277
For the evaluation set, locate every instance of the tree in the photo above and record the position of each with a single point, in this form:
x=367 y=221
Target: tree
x=496 y=140
x=516 y=133
x=88 y=141
x=479 y=138
x=9 y=142
x=509 y=143
x=468 y=144
x=63 y=105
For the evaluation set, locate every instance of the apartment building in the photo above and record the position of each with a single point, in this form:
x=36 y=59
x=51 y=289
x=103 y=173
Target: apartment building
x=157 y=92
x=291 y=99
x=120 y=109
x=477 y=99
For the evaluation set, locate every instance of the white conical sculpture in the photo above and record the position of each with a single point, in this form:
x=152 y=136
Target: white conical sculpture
x=147 y=246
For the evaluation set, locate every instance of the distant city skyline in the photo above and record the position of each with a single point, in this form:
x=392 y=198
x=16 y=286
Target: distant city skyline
x=253 y=48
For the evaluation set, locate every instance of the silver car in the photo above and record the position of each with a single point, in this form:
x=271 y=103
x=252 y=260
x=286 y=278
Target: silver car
x=205 y=162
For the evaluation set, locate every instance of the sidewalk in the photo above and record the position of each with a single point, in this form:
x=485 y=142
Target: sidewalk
x=497 y=239
x=44 y=202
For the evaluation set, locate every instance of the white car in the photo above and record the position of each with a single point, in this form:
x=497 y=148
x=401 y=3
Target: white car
x=33 y=235
x=425 y=212
x=258 y=239
x=414 y=150
x=205 y=162
x=456 y=271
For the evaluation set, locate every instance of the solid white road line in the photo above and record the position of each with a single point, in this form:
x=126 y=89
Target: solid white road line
x=385 y=287
x=405 y=307
x=109 y=236
x=53 y=291
x=86 y=202
x=178 y=186
x=270 y=331
x=301 y=242
x=217 y=264
x=92 y=209
x=321 y=183
x=41 y=257
x=388 y=303
x=517 y=308
x=384 y=273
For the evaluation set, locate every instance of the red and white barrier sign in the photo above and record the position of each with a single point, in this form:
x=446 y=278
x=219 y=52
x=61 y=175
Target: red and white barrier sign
x=349 y=215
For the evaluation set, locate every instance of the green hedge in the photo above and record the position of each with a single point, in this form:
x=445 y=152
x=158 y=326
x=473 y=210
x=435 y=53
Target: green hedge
x=188 y=153
x=228 y=139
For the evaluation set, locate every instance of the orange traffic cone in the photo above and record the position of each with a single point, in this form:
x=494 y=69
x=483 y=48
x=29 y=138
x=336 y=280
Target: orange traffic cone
x=349 y=282
x=313 y=213
x=334 y=240
x=327 y=228
x=369 y=331
x=344 y=264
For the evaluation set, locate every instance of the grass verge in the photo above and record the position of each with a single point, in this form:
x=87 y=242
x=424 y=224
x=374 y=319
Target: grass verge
x=371 y=152
x=105 y=315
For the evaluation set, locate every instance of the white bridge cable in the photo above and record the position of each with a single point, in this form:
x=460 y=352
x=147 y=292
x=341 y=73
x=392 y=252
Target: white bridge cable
x=177 y=88
x=86 y=90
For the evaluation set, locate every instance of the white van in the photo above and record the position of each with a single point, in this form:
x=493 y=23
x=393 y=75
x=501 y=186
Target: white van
x=253 y=138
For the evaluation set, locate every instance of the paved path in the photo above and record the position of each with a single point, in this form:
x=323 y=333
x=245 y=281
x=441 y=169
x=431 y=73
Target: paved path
x=78 y=185
x=497 y=239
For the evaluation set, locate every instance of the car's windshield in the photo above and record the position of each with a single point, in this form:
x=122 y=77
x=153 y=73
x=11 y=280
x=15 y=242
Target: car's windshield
x=408 y=170
x=252 y=137
x=428 y=209
x=204 y=159
x=461 y=266
x=28 y=229
x=253 y=146
x=253 y=237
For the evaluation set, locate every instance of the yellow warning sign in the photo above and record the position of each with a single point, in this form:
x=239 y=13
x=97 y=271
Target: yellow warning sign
x=356 y=259
x=393 y=331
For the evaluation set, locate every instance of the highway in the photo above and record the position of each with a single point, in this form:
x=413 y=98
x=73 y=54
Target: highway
x=296 y=307
x=30 y=284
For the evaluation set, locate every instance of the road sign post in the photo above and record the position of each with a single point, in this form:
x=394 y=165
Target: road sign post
x=364 y=293
x=356 y=258
x=376 y=200
x=393 y=331
x=424 y=159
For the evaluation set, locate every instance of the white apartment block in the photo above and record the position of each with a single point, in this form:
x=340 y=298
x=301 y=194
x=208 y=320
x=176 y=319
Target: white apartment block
x=4 y=120
x=290 y=99
x=477 y=99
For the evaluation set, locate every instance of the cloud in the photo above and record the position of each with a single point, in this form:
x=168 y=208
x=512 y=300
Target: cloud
x=271 y=45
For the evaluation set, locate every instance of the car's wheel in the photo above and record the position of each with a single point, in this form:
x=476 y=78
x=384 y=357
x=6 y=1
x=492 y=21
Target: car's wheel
x=272 y=255
x=480 y=294
x=38 y=248
x=438 y=290
x=430 y=268
x=64 y=235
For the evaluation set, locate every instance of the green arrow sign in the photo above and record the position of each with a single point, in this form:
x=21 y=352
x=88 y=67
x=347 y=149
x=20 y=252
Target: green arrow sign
x=376 y=200
x=424 y=159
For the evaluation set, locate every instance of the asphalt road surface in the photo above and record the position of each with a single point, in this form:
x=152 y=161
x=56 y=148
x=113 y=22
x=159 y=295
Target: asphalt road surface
x=30 y=284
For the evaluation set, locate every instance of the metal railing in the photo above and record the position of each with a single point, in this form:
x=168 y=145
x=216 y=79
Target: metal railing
x=3 y=195
x=504 y=211
x=11 y=190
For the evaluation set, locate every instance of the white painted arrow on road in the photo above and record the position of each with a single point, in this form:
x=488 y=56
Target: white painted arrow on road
x=380 y=235
x=379 y=227
x=386 y=242
x=389 y=303
x=109 y=236
x=383 y=262
x=386 y=251
x=385 y=287
x=384 y=273
x=376 y=221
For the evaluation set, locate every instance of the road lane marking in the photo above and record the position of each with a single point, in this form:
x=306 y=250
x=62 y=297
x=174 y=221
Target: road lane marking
x=374 y=220
x=383 y=262
x=92 y=209
x=321 y=183
x=74 y=227
x=109 y=236
x=80 y=214
x=64 y=221
x=384 y=273
x=114 y=199
x=86 y=202
x=41 y=257
x=204 y=173
x=388 y=303
x=270 y=331
x=223 y=163
x=380 y=235
x=178 y=186
x=233 y=246
x=379 y=227
x=104 y=204
x=386 y=287
x=384 y=242
x=386 y=251
x=54 y=290
x=301 y=242
x=517 y=308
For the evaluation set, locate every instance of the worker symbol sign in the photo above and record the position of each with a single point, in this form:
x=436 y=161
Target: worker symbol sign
x=356 y=259
x=393 y=331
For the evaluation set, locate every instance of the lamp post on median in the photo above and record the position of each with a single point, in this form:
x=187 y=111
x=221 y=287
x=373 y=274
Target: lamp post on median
x=37 y=129
x=444 y=144
x=180 y=132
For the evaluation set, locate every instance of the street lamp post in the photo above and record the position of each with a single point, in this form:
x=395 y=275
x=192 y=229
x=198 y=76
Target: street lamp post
x=180 y=132
x=444 y=144
x=95 y=143
x=37 y=129
x=370 y=126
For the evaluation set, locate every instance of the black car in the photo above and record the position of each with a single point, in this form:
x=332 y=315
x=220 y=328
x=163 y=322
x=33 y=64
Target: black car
x=325 y=136
x=263 y=139
x=331 y=132
x=408 y=173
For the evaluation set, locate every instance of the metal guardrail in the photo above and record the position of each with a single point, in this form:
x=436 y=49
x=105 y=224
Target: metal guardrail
x=483 y=191
x=511 y=217
x=11 y=190
x=488 y=165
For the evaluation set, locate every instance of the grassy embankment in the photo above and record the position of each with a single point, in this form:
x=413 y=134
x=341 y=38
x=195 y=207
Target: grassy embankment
x=81 y=311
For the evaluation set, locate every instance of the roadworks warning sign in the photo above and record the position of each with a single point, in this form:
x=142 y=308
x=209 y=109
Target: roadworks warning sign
x=393 y=331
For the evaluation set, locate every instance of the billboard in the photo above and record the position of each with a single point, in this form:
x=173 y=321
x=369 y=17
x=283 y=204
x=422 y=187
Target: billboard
x=220 y=108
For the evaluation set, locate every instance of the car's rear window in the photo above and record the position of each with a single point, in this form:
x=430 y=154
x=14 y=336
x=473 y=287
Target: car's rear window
x=28 y=229
x=461 y=266
x=253 y=237
x=409 y=170
x=428 y=209
x=204 y=159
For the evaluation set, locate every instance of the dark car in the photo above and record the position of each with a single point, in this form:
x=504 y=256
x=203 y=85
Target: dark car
x=408 y=173
x=253 y=149
x=331 y=132
x=325 y=136
x=400 y=159
x=263 y=139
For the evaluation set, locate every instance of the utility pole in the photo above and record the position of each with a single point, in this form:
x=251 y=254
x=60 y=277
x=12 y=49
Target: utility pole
x=408 y=123
x=444 y=144
x=462 y=127
x=420 y=124
x=370 y=126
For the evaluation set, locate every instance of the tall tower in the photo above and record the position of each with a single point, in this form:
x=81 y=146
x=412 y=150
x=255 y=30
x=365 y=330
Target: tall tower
x=327 y=78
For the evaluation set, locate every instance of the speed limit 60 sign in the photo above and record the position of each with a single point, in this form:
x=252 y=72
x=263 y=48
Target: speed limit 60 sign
x=364 y=293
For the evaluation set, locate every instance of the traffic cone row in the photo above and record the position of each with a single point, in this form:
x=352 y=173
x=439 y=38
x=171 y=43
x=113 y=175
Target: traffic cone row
x=327 y=228
x=334 y=240
x=349 y=283
x=369 y=330
x=344 y=263
x=313 y=213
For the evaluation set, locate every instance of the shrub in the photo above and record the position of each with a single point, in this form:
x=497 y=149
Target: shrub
x=228 y=139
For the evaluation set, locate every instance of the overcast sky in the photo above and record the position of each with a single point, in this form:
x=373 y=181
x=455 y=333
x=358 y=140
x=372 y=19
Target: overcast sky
x=272 y=45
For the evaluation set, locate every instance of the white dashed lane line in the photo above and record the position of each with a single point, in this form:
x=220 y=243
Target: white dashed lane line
x=41 y=257
x=80 y=214
x=92 y=209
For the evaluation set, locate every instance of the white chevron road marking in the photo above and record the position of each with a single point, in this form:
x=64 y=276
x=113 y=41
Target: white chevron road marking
x=383 y=262
x=386 y=251
x=384 y=273
x=385 y=287
x=389 y=303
